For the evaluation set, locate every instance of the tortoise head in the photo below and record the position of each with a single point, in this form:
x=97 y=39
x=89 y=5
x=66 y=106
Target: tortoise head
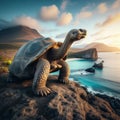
x=77 y=34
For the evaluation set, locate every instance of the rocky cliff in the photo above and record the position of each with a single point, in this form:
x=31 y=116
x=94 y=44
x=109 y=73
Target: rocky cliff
x=86 y=54
x=66 y=102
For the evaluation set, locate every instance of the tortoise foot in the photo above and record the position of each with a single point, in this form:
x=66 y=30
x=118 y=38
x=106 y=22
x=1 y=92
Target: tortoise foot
x=43 y=91
x=64 y=80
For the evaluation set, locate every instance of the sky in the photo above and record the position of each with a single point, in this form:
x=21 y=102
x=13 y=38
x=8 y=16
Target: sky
x=54 y=18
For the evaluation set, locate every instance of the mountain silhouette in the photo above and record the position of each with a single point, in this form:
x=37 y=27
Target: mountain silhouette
x=101 y=47
x=18 y=34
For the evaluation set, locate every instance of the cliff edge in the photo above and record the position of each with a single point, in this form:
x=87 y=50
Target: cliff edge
x=90 y=54
x=66 y=102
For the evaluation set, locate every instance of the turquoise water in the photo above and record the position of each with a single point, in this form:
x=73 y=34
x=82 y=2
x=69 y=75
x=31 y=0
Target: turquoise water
x=105 y=81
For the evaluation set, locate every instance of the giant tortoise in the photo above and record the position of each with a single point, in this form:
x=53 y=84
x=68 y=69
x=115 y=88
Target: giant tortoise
x=37 y=58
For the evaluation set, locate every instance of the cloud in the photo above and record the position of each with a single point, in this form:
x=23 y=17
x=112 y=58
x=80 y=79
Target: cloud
x=113 y=19
x=47 y=30
x=97 y=33
x=102 y=8
x=116 y=4
x=62 y=35
x=49 y=13
x=63 y=5
x=82 y=15
x=107 y=38
x=26 y=21
x=64 y=19
x=21 y=20
x=114 y=36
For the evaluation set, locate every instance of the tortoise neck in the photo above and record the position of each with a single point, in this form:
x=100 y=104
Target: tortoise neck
x=63 y=50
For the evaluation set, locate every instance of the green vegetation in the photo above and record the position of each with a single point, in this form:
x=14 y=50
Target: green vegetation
x=4 y=64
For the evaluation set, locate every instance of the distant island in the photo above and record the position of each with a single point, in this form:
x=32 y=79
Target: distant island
x=101 y=47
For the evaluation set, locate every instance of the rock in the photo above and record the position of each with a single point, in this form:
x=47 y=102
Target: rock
x=86 y=54
x=114 y=102
x=91 y=70
x=66 y=102
x=99 y=65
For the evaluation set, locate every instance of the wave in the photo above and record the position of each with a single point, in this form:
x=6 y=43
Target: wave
x=98 y=85
x=80 y=72
x=72 y=59
x=94 y=92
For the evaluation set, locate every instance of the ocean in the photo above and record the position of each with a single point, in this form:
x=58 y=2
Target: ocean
x=105 y=81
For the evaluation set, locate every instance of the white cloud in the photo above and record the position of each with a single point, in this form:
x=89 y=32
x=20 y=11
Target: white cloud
x=63 y=5
x=102 y=8
x=116 y=4
x=49 y=13
x=26 y=21
x=64 y=19
x=111 y=38
x=112 y=19
x=62 y=35
x=82 y=15
x=108 y=30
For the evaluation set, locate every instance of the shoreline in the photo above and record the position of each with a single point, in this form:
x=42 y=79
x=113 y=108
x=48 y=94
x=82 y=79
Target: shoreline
x=103 y=85
x=95 y=79
x=93 y=92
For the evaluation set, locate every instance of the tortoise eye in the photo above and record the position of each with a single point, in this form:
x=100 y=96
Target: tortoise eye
x=74 y=32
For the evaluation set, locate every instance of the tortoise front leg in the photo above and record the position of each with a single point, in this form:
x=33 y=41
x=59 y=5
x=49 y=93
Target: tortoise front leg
x=64 y=72
x=40 y=77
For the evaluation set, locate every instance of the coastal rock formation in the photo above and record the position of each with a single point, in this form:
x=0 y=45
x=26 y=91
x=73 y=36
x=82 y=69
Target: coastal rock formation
x=91 y=70
x=86 y=54
x=99 y=65
x=67 y=102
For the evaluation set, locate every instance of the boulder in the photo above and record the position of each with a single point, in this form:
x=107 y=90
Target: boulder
x=91 y=70
x=86 y=54
x=66 y=102
x=99 y=65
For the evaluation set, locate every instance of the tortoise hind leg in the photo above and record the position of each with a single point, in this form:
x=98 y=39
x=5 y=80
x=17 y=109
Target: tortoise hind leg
x=40 y=78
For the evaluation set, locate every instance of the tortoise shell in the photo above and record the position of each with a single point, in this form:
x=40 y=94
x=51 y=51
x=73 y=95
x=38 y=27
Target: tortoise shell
x=29 y=53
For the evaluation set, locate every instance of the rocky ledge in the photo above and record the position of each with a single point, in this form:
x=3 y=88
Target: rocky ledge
x=66 y=102
x=90 y=54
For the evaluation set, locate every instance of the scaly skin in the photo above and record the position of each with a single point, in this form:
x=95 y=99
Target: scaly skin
x=40 y=77
x=64 y=72
x=56 y=56
x=51 y=61
x=42 y=72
